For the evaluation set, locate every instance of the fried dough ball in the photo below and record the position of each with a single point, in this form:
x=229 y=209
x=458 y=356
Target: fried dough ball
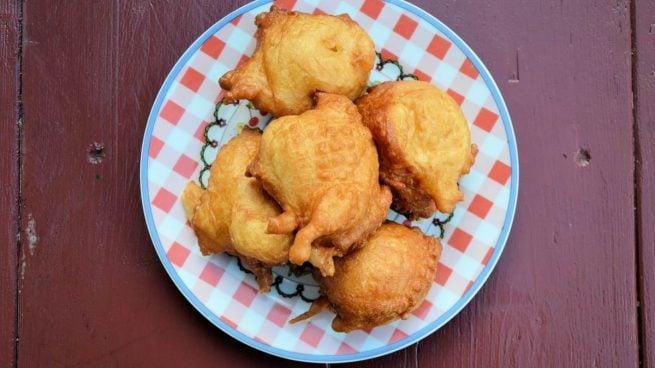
x=297 y=55
x=231 y=215
x=250 y=215
x=424 y=144
x=381 y=282
x=322 y=168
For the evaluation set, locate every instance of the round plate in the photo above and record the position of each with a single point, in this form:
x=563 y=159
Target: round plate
x=473 y=239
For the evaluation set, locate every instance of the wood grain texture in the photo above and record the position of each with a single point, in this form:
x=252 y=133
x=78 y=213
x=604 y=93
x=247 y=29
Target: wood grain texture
x=644 y=83
x=94 y=292
x=9 y=26
x=564 y=292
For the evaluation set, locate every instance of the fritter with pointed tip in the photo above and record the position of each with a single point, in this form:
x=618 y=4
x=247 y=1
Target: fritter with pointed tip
x=381 y=282
x=322 y=168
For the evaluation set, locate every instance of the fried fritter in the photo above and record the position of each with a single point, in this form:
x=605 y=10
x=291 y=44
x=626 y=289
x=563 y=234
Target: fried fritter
x=211 y=219
x=297 y=55
x=231 y=215
x=322 y=168
x=381 y=282
x=250 y=215
x=424 y=144
x=191 y=198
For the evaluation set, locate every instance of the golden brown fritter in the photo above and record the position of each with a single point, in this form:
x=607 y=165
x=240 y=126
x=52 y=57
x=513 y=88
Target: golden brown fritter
x=381 y=282
x=191 y=198
x=297 y=55
x=211 y=219
x=424 y=144
x=231 y=215
x=322 y=168
x=250 y=215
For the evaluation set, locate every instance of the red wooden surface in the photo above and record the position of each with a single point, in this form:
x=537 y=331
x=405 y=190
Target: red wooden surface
x=94 y=292
x=8 y=180
x=564 y=292
x=644 y=86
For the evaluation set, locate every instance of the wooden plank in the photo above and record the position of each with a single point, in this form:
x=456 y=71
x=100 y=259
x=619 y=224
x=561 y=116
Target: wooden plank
x=644 y=88
x=94 y=292
x=563 y=293
x=9 y=27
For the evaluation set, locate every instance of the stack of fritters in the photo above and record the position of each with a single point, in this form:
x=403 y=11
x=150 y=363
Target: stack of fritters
x=317 y=184
x=232 y=215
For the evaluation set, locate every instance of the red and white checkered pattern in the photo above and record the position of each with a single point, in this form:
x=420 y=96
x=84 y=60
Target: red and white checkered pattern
x=229 y=293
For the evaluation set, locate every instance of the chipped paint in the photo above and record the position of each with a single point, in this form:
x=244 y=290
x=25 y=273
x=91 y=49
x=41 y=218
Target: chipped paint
x=32 y=236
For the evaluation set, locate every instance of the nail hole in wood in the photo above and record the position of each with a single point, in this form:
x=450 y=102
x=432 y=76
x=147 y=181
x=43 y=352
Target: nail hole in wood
x=583 y=157
x=95 y=153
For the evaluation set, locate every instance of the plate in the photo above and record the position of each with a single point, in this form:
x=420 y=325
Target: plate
x=185 y=129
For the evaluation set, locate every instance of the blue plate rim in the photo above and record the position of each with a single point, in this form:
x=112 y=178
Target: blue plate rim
x=415 y=337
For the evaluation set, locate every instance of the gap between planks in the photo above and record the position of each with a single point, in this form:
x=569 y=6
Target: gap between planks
x=19 y=170
x=636 y=152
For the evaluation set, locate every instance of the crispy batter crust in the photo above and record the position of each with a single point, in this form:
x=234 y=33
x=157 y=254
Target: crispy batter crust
x=232 y=214
x=297 y=55
x=383 y=281
x=322 y=168
x=424 y=144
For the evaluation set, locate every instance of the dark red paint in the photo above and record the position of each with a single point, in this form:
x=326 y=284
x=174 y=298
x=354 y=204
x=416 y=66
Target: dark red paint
x=92 y=292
